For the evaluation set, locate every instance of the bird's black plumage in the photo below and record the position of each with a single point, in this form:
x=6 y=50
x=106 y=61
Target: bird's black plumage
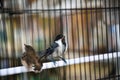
x=58 y=37
x=49 y=50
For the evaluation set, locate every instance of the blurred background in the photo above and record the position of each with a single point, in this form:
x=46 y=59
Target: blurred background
x=91 y=27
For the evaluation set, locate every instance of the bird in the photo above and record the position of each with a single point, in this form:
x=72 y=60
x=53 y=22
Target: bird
x=30 y=59
x=56 y=49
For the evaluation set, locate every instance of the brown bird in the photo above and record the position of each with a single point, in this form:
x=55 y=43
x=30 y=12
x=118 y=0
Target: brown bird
x=30 y=59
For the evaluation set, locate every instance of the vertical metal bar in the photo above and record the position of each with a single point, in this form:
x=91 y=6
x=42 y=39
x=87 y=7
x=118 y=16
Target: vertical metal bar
x=1 y=50
x=24 y=26
x=49 y=21
x=44 y=26
x=98 y=37
x=119 y=30
x=23 y=35
x=117 y=60
x=98 y=49
x=81 y=1
x=69 y=26
x=54 y=5
x=92 y=40
x=87 y=30
x=61 y=31
x=71 y=29
x=77 y=13
x=107 y=33
x=55 y=32
x=112 y=35
x=73 y=42
x=109 y=45
x=1 y=4
x=67 y=34
x=94 y=48
x=32 y=26
x=102 y=42
x=3 y=41
x=12 y=39
x=38 y=27
x=61 y=24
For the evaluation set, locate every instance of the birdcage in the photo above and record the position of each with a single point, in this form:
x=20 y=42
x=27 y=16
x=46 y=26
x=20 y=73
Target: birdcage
x=90 y=27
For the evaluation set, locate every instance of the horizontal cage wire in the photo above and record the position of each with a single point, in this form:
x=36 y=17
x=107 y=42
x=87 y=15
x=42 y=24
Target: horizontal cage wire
x=59 y=40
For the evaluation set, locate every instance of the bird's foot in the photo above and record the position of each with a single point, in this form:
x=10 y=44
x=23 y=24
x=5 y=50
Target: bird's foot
x=52 y=60
x=63 y=60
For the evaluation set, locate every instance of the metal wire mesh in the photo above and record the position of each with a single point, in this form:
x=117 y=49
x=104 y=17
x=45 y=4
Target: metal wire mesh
x=91 y=27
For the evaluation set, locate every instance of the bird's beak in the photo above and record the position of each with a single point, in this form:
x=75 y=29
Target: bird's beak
x=63 y=37
x=24 y=44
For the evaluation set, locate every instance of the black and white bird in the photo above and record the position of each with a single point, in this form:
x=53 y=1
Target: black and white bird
x=56 y=50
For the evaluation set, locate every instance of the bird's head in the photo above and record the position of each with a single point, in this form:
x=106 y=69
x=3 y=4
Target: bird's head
x=28 y=48
x=60 y=36
x=60 y=39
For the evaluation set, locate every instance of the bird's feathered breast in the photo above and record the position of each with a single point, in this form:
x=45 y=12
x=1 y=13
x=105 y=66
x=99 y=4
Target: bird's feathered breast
x=61 y=46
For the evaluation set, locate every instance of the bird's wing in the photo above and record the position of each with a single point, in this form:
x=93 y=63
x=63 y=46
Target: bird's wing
x=49 y=50
x=54 y=45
